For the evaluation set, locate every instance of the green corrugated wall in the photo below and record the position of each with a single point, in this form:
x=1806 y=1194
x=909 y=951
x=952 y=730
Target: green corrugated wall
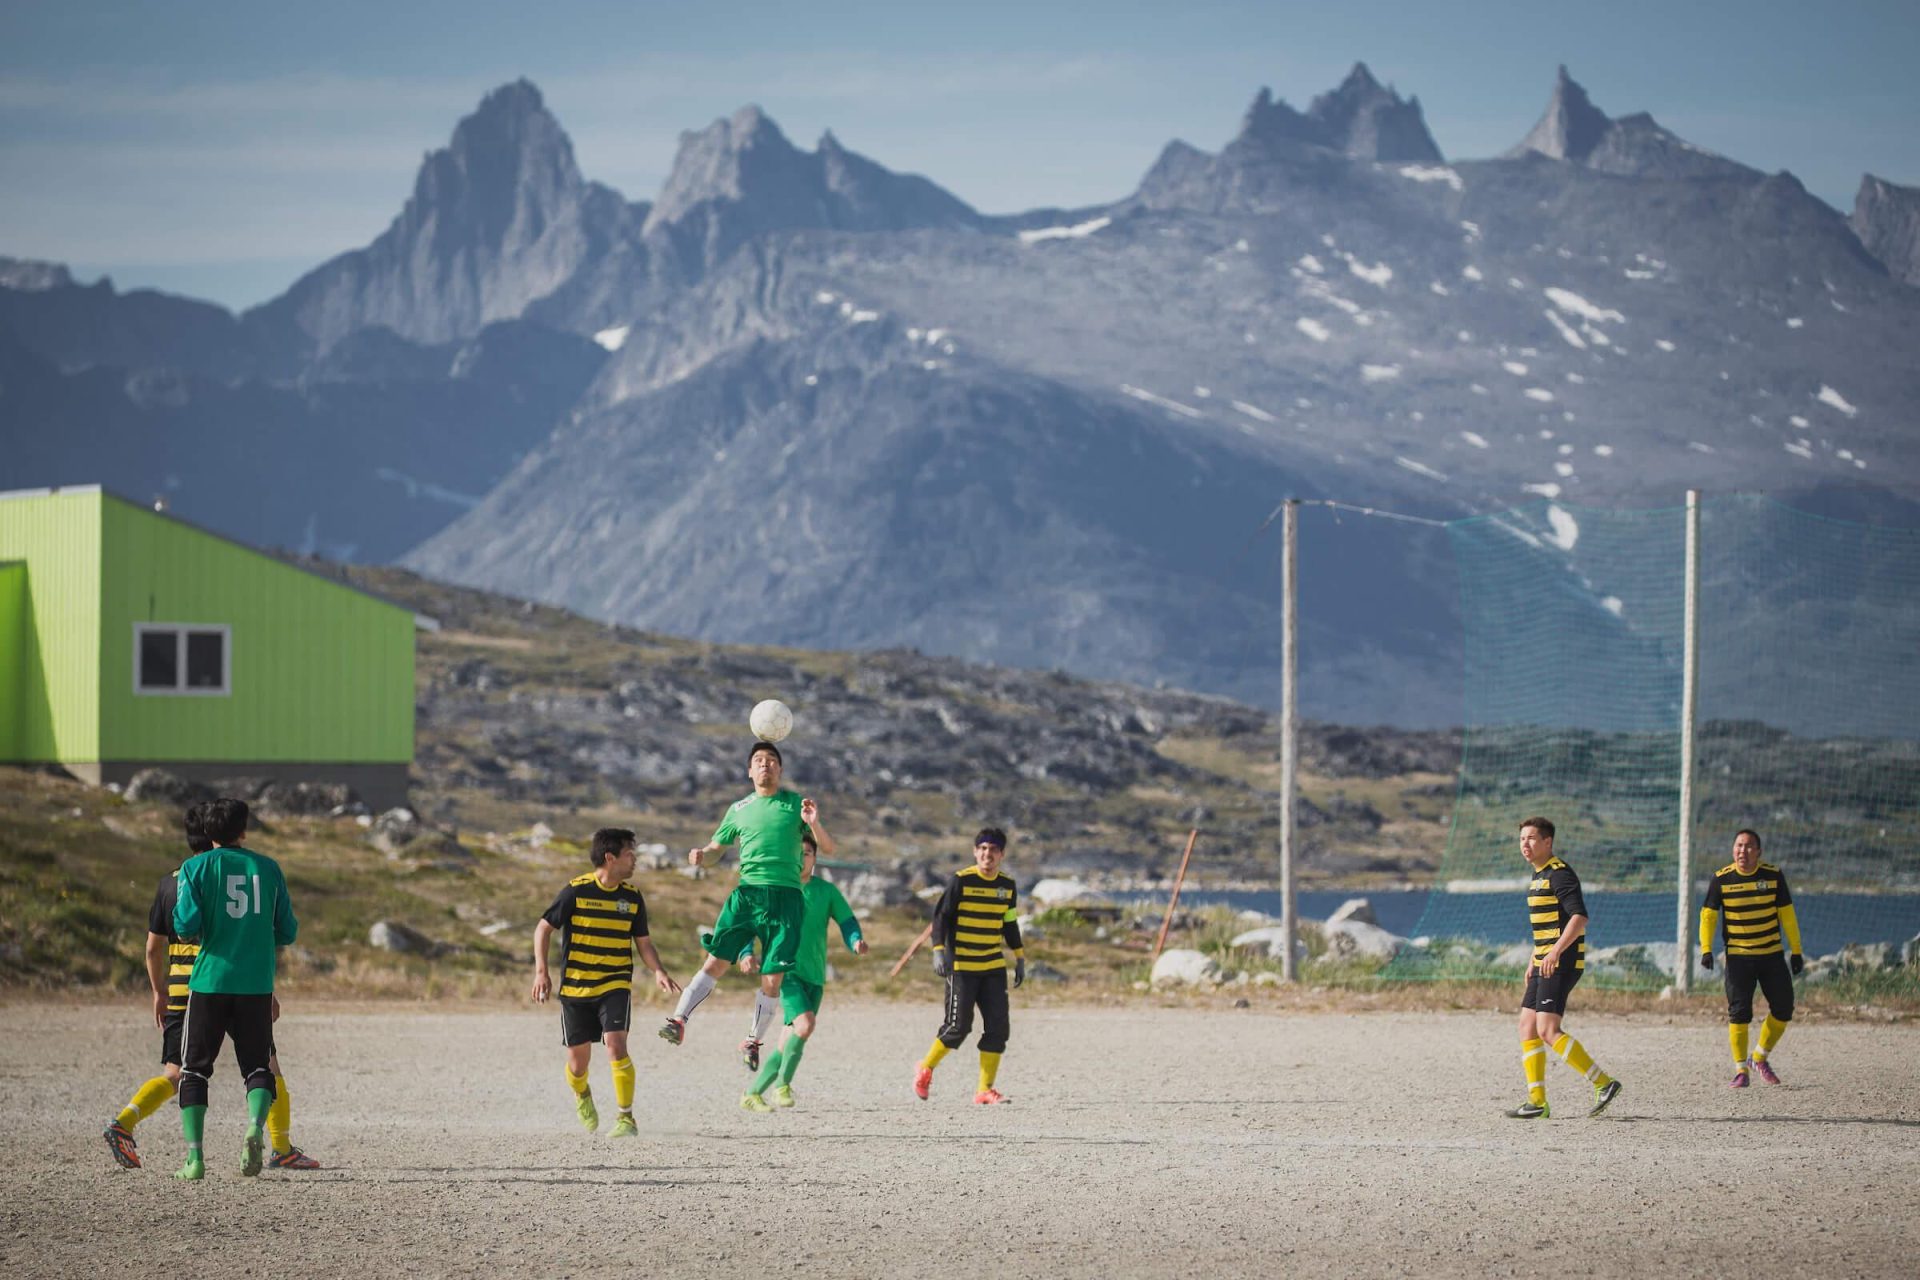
x=319 y=672
x=57 y=646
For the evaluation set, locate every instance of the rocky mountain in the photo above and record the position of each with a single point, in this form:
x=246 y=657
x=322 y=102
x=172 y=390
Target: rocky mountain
x=1886 y=217
x=843 y=408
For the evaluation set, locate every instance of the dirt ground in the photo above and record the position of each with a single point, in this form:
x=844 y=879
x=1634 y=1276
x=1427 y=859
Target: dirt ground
x=1141 y=1141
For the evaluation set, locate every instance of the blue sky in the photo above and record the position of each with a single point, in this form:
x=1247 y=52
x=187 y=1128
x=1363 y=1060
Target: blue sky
x=219 y=149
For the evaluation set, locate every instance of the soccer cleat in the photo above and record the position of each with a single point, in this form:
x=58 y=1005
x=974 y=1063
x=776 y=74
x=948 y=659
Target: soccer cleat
x=989 y=1098
x=292 y=1158
x=783 y=1095
x=1530 y=1111
x=252 y=1156
x=922 y=1081
x=588 y=1113
x=192 y=1171
x=753 y=1102
x=1739 y=1080
x=1766 y=1072
x=1604 y=1095
x=673 y=1031
x=750 y=1054
x=121 y=1146
x=624 y=1127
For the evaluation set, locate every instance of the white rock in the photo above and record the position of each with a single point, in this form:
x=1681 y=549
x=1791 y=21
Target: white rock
x=1054 y=891
x=540 y=836
x=1355 y=909
x=1353 y=938
x=1192 y=968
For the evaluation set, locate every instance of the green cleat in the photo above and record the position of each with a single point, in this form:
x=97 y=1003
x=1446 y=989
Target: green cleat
x=589 y=1114
x=624 y=1127
x=783 y=1095
x=255 y=1154
x=1529 y=1111
x=192 y=1171
x=753 y=1102
x=1603 y=1095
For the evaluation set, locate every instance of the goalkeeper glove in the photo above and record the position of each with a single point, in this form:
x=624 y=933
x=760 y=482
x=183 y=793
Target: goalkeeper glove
x=1797 y=962
x=1019 y=970
x=1706 y=960
x=940 y=965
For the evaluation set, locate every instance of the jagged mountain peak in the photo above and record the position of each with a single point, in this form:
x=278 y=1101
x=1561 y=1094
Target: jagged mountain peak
x=31 y=276
x=1571 y=126
x=1572 y=129
x=1360 y=118
x=1886 y=217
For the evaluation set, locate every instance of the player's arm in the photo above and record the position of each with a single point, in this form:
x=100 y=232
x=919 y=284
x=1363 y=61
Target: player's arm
x=810 y=821
x=285 y=927
x=187 y=916
x=842 y=913
x=723 y=835
x=157 y=974
x=1789 y=923
x=542 y=980
x=944 y=913
x=1576 y=926
x=651 y=958
x=1010 y=934
x=1709 y=922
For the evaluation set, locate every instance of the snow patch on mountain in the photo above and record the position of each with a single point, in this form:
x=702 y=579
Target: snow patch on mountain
x=615 y=338
x=1312 y=328
x=1833 y=399
x=1078 y=230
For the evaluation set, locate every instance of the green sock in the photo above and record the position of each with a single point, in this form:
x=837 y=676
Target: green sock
x=193 y=1127
x=791 y=1052
x=259 y=1102
x=769 y=1068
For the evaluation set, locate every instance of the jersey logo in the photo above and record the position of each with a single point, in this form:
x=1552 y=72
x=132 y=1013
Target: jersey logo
x=626 y=908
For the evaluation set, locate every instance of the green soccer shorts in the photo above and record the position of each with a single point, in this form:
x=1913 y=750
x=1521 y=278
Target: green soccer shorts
x=798 y=996
x=772 y=913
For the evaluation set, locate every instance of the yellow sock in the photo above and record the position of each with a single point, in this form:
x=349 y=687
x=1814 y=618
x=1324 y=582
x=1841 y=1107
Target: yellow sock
x=623 y=1083
x=1533 y=1061
x=1737 y=1039
x=280 y=1118
x=934 y=1055
x=1770 y=1032
x=577 y=1083
x=1574 y=1056
x=989 y=1068
x=147 y=1099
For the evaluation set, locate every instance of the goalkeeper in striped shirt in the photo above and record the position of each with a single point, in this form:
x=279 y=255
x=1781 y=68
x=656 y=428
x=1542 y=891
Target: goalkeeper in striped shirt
x=1759 y=916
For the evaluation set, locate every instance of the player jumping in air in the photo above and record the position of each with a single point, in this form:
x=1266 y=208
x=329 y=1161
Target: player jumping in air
x=234 y=902
x=1557 y=913
x=1759 y=911
x=806 y=985
x=602 y=919
x=975 y=916
x=169 y=966
x=767 y=904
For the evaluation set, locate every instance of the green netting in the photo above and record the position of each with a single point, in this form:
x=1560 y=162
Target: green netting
x=1808 y=727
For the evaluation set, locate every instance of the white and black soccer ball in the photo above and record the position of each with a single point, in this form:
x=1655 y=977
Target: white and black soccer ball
x=770 y=720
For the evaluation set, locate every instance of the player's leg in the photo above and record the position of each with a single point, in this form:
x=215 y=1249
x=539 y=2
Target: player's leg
x=954 y=1030
x=616 y=1014
x=1556 y=990
x=995 y=1025
x=800 y=1000
x=733 y=928
x=201 y=1035
x=148 y=1098
x=280 y=1122
x=579 y=1032
x=1740 y=978
x=1533 y=1054
x=252 y=1031
x=764 y=1008
x=1776 y=983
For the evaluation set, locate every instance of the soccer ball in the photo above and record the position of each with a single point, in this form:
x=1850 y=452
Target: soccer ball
x=770 y=720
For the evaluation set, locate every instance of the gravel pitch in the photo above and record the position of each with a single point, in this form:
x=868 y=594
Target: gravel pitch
x=1141 y=1141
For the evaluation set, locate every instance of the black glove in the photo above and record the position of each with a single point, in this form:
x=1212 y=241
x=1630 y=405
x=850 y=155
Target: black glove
x=940 y=963
x=1020 y=970
x=1796 y=962
x=1706 y=960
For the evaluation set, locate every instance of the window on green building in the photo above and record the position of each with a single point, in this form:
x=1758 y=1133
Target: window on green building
x=180 y=658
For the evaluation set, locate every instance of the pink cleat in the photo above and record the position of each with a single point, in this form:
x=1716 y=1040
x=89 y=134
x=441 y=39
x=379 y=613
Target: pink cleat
x=1739 y=1080
x=922 y=1082
x=1766 y=1072
x=990 y=1097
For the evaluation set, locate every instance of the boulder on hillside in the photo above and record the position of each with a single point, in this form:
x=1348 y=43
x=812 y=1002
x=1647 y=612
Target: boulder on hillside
x=1353 y=938
x=880 y=887
x=305 y=799
x=391 y=935
x=1358 y=910
x=158 y=786
x=393 y=829
x=1185 y=968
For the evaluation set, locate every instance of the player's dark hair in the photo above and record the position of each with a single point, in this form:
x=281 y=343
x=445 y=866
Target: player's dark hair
x=991 y=835
x=1543 y=825
x=806 y=838
x=194 y=822
x=1748 y=831
x=224 y=821
x=758 y=747
x=607 y=843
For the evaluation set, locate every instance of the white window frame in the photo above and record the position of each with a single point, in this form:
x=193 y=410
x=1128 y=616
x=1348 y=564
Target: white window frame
x=180 y=630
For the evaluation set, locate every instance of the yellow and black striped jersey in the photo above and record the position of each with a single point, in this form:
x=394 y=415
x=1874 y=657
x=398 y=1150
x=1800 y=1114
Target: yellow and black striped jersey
x=975 y=916
x=1754 y=908
x=1553 y=898
x=597 y=927
x=180 y=955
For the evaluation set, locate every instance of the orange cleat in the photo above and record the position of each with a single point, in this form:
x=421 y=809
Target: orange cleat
x=922 y=1081
x=990 y=1097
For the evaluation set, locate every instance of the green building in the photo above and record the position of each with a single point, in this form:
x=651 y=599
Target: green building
x=130 y=639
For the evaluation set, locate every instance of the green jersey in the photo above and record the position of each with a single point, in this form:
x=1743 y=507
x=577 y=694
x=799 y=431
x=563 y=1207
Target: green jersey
x=234 y=902
x=767 y=829
x=823 y=901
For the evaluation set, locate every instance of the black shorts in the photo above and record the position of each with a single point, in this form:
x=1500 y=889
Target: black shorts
x=212 y=1019
x=1549 y=995
x=171 y=1028
x=1770 y=974
x=987 y=991
x=585 y=1021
